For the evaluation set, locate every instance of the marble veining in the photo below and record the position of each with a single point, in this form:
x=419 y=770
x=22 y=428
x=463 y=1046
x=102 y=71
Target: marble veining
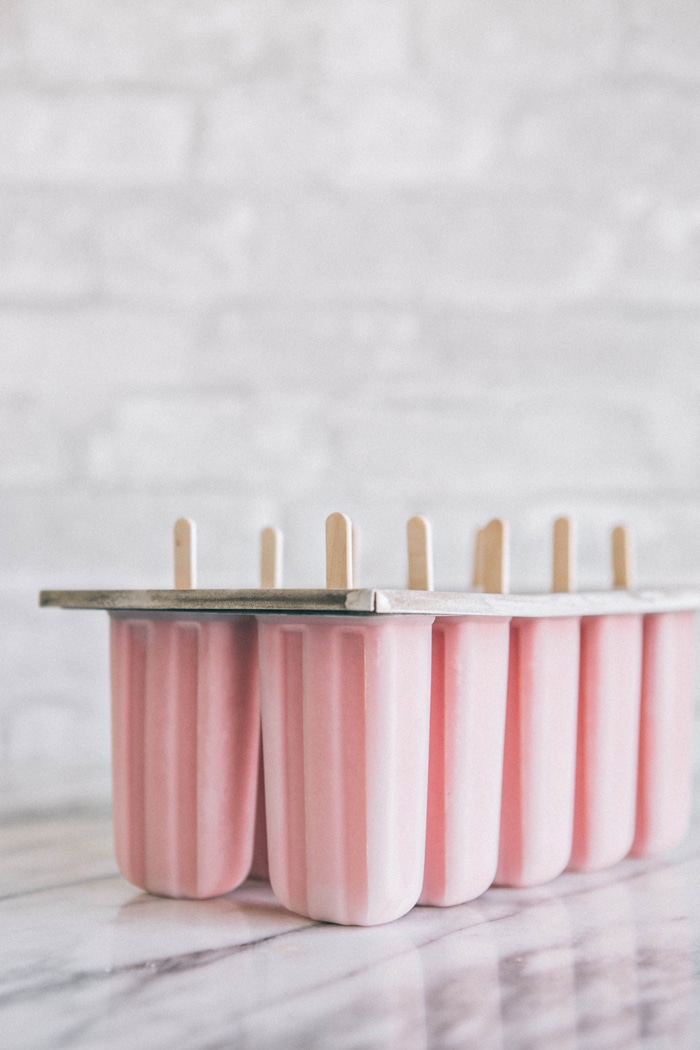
x=88 y=961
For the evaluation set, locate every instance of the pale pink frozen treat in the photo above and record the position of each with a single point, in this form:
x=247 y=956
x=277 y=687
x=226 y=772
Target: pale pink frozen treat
x=666 y=729
x=608 y=740
x=186 y=735
x=540 y=751
x=346 y=717
x=259 y=867
x=467 y=723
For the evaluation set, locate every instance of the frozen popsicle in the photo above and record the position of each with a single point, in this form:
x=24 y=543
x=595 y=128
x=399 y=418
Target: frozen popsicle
x=186 y=734
x=345 y=706
x=540 y=739
x=608 y=729
x=666 y=731
x=271 y=544
x=467 y=722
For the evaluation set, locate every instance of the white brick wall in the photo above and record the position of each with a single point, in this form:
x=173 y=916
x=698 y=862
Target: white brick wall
x=264 y=259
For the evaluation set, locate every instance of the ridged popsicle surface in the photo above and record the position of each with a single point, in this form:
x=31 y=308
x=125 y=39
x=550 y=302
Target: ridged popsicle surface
x=608 y=740
x=666 y=732
x=537 y=808
x=467 y=724
x=346 y=703
x=186 y=732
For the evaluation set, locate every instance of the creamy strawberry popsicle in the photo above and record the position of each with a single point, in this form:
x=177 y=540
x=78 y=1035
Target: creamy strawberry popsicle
x=665 y=738
x=186 y=740
x=608 y=730
x=540 y=751
x=467 y=720
x=345 y=708
x=540 y=738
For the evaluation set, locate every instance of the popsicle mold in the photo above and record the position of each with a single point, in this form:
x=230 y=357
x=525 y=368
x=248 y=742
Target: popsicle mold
x=346 y=715
x=540 y=750
x=186 y=735
x=665 y=738
x=364 y=803
x=467 y=724
x=608 y=740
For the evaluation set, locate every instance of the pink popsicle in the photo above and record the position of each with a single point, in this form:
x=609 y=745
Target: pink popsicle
x=467 y=720
x=665 y=740
x=608 y=730
x=186 y=731
x=608 y=736
x=540 y=751
x=345 y=707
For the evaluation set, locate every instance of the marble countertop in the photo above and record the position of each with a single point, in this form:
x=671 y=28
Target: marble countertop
x=88 y=961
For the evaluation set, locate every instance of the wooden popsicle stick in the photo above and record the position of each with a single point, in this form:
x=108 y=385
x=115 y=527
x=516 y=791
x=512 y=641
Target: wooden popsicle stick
x=564 y=562
x=622 y=557
x=338 y=552
x=185 y=538
x=495 y=557
x=420 y=554
x=478 y=570
x=271 y=546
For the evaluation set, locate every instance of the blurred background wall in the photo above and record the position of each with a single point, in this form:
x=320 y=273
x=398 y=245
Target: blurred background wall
x=265 y=259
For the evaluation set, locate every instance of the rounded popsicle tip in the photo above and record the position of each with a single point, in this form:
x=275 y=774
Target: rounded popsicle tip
x=420 y=554
x=185 y=550
x=339 y=560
